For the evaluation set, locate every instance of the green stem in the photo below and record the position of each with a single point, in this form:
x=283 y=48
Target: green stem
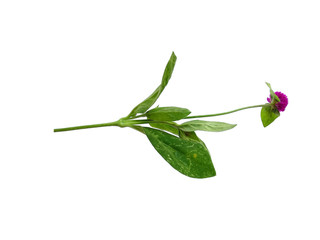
x=87 y=126
x=120 y=123
x=224 y=113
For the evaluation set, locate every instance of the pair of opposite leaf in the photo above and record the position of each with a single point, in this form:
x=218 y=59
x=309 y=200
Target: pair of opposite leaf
x=185 y=152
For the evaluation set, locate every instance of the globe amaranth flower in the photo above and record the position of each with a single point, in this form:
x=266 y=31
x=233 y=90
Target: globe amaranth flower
x=281 y=106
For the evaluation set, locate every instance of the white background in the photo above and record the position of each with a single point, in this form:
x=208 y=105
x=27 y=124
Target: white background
x=67 y=63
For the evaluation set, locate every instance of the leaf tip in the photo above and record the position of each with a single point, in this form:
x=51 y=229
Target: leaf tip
x=173 y=56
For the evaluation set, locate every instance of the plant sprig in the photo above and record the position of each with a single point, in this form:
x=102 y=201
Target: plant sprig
x=177 y=143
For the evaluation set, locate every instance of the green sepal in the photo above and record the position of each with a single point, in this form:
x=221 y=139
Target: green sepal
x=187 y=156
x=272 y=94
x=268 y=114
x=167 y=113
x=148 y=102
x=210 y=126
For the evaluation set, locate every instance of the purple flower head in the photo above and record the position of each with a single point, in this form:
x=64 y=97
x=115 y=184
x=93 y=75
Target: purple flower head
x=281 y=106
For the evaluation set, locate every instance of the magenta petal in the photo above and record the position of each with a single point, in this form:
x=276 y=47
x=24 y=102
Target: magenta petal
x=269 y=99
x=281 y=106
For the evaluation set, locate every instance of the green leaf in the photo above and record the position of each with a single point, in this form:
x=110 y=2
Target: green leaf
x=167 y=113
x=210 y=126
x=167 y=127
x=268 y=115
x=138 y=128
x=187 y=156
x=273 y=95
x=148 y=102
x=191 y=136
